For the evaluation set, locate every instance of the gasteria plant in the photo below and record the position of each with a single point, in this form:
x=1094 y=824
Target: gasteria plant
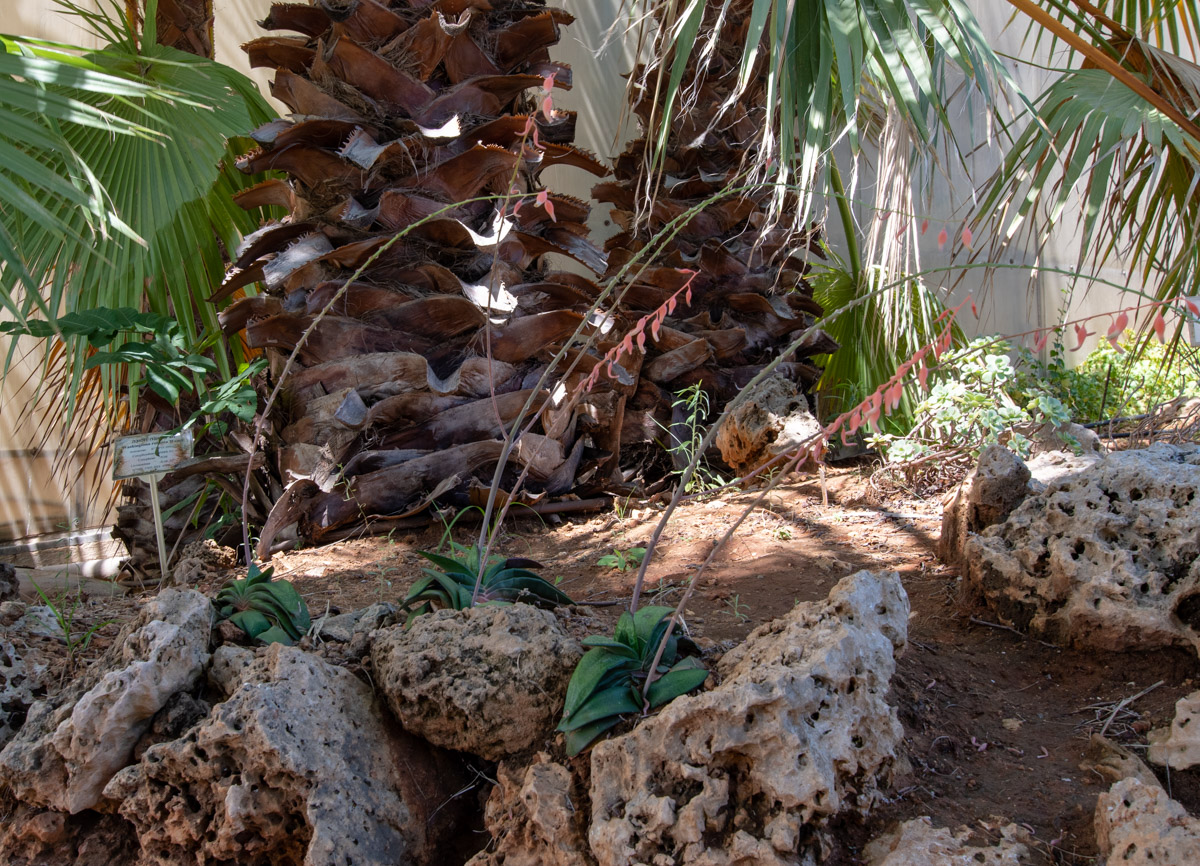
x=269 y=611
x=607 y=683
x=453 y=584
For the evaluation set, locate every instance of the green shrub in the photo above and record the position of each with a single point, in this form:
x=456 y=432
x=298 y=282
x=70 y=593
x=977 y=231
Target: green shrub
x=1111 y=383
x=974 y=401
x=607 y=683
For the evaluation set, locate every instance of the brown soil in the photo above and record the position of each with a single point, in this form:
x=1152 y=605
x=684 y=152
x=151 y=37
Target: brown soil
x=996 y=723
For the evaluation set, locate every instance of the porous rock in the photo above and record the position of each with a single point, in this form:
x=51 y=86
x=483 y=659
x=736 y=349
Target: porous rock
x=1104 y=558
x=534 y=817
x=345 y=626
x=997 y=485
x=41 y=837
x=18 y=682
x=73 y=743
x=1139 y=825
x=1178 y=746
x=9 y=585
x=919 y=843
x=203 y=560
x=297 y=766
x=775 y=418
x=797 y=731
x=1113 y=762
x=489 y=680
x=39 y=621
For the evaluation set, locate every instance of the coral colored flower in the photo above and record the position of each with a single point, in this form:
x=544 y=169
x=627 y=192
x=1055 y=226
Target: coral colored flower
x=1081 y=333
x=943 y=236
x=967 y=236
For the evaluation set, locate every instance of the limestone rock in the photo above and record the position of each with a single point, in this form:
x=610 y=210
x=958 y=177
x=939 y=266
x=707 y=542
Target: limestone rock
x=203 y=560
x=775 y=418
x=1049 y=466
x=533 y=818
x=11 y=612
x=1139 y=825
x=18 y=682
x=490 y=680
x=1105 y=558
x=39 y=837
x=797 y=731
x=39 y=621
x=1113 y=762
x=994 y=488
x=1178 y=746
x=297 y=766
x=9 y=585
x=73 y=743
x=345 y=626
x=1070 y=438
x=919 y=843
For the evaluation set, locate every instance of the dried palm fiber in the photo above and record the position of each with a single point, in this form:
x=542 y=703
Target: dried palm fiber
x=749 y=299
x=406 y=117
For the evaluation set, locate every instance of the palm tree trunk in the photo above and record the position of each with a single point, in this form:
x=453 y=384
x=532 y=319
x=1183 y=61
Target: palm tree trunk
x=186 y=25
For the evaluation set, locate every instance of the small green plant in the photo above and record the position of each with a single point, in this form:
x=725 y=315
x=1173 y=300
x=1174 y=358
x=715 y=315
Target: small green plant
x=269 y=611
x=453 y=586
x=607 y=682
x=622 y=560
x=692 y=403
x=65 y=617
x=739 y=609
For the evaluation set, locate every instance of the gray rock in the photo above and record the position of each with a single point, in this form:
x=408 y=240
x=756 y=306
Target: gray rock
x=1105 y=558
x=18 y=683
x=298 y=766
x=345 y=626
x=490 y=680
x=9 y=585
x=919 y=843
x=11 y=612
x=39 y=621
x=798 y=731
x=73 y=743
x=1139 y=825
x=997 y=485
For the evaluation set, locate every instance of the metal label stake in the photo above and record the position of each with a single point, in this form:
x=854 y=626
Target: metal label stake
x=150 y=457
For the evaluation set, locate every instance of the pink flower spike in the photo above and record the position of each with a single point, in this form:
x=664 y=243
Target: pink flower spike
x=529 y=125
x=1192 y=308
x=967 y=236
x=517 y=206
x=670 y=305
x=1160 y=327
x=548 y=109
x=943 y=236
x=974 y=309
x=654 y=328
x=641 y=341
x=923 y=375
x=1081 y=334
x=853 y=423
x=924 y=225
x=537 y=142
x=1040 y=342
x=548 y=82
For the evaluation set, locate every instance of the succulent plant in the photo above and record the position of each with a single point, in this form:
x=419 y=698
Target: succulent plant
x=269 y=611
x=608 y=681
x=452 y=585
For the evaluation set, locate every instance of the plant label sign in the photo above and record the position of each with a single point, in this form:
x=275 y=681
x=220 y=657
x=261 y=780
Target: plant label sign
x=150 y=454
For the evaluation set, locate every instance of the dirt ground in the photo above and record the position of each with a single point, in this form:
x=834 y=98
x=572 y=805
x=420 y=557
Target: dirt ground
x=996 y=723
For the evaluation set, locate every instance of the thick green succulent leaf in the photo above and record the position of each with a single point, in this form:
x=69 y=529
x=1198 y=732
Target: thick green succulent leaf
x=275 y=634
x=581 y=738
x=449 y=565
x=647 y=619
x=252 y=622
x=592 y=668
x=680 y=680
x=626 y=632
x=595 y=640
x=532 y=587
x=615 y=701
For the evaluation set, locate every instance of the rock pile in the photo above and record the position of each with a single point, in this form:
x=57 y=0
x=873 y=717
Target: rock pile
x=1104 y=557
x=168 y=751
